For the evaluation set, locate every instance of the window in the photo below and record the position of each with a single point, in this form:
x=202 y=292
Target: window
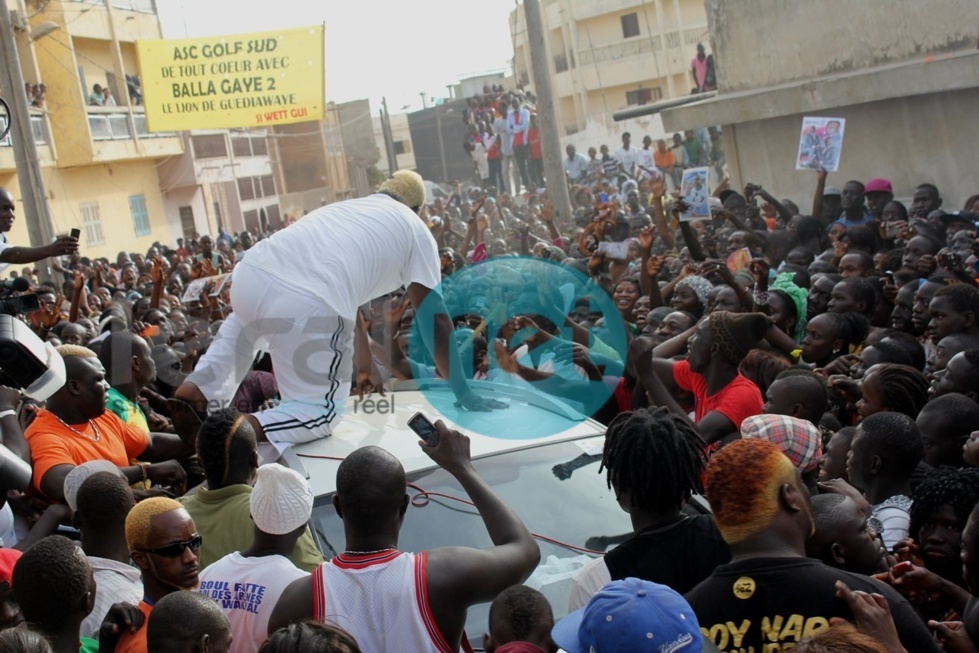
x=251 y=218
x=241 y=146
x=630 y=25
x=92 y=221
x=401 y=147
x=272 y=212
x=259 y=146
x=210 y=146
x=141 y=218
x=268 y=186
x=245 y=189
x=643 y=96
x=187 y=221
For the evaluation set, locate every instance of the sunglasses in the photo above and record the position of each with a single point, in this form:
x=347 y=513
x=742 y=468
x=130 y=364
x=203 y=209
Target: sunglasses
x=176 y=549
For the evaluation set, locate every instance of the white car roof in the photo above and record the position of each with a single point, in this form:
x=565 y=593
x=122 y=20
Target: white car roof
x=387 y=427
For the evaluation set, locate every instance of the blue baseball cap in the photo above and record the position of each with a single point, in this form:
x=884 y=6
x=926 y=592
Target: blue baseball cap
x=631 y=615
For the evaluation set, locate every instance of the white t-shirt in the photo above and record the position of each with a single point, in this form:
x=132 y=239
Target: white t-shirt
x=247 y=589
x=644 y=159
x=627 y=158
x=4 y=245
x=350 y=252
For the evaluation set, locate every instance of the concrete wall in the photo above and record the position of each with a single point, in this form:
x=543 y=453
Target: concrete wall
x=110 y=187
x=925 y=138
x=761 y=43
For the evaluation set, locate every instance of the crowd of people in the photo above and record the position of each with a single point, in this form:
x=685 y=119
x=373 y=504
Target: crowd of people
x=809 y=367
x=504 y=141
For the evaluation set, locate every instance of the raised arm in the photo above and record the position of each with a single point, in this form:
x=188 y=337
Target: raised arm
x=460 y=576
x=817 y=198
x=63 y=246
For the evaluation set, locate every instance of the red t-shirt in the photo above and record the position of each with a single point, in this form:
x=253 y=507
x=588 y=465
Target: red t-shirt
x=736 y=401
x=533 y=138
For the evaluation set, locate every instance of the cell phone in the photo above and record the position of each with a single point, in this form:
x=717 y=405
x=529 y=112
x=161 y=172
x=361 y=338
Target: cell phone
x=424 y=428
x=75 y=233
x=948 y=261
x=892 y=230
x=901 y=568
x=150 y=331
x=890 y=277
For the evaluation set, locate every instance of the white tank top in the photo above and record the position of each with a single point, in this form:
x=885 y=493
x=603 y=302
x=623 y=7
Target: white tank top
x=382 y=600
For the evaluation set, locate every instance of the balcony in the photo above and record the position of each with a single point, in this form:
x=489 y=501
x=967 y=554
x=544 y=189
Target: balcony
x=40 y=133
x=113 y=138
x=638 y=46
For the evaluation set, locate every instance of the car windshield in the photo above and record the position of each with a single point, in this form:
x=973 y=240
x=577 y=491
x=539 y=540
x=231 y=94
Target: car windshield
x=555 y=489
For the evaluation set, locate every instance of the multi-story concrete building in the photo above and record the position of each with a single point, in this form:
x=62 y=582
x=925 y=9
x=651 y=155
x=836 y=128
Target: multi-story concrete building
x=404 y=153
x=359 y=145
x=99 y=162
x=225 y=179
x=607 y=55
x=907 y=88
x=310 y=165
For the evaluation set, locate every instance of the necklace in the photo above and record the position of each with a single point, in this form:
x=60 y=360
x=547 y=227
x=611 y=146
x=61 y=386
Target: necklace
x=71 y=428
x=368 y=553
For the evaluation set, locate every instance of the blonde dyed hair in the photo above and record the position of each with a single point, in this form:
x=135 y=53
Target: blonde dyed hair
x=138 y=520
x=67 y=351
x=743 y=482
x=407 y=187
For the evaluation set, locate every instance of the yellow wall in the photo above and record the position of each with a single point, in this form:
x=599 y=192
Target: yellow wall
x=110 y=186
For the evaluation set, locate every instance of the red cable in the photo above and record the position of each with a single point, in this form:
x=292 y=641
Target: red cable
x=423 y=498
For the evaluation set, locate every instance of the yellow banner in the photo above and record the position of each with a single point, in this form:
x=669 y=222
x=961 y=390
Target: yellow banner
x=245 y=80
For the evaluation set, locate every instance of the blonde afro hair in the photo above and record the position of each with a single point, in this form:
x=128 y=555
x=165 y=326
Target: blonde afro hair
x=68 y=351
x=138 y=519
x=407 y=187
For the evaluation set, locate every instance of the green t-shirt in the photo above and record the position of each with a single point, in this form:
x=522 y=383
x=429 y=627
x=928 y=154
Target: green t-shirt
x=223 y=518
x=126 y=410
x=88 y=645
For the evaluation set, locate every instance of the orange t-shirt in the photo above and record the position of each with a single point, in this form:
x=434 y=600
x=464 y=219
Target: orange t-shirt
x=664 y=159
x=53 y=444
x=136 y=642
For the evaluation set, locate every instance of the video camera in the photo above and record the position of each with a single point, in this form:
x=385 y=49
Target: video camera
x=37 y=369
x=21 y=304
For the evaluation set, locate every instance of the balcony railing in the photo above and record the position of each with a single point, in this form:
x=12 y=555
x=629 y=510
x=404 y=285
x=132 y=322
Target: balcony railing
x=142 y=6
x=37 y=127
x=643 y=45
x=113 y=125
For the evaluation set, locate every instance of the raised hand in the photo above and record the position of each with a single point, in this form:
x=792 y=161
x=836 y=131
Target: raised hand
x=647 y=237
x=654 y=264
x=547 y=212
x=759 y=269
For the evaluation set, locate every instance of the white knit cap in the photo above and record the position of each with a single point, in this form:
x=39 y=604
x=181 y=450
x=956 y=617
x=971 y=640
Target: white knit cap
x=77 y=476
x=281 y=500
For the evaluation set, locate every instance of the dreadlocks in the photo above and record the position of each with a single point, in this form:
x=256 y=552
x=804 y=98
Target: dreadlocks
x=655 y=456
x=945 y=486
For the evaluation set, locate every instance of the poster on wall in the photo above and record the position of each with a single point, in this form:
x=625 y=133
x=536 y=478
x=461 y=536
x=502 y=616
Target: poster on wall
x=820 y=143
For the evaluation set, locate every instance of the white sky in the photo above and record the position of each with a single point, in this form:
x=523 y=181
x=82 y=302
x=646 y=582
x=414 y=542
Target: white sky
x=374 y=48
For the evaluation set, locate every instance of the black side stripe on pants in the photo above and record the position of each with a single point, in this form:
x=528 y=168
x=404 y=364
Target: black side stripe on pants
x=289 y=424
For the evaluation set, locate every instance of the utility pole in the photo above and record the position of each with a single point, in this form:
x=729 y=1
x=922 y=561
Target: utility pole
x=557 y=181
x=388 y=137
x=438 y=126
x=36 y=211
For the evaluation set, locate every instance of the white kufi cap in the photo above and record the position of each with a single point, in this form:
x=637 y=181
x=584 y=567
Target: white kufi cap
x=281 y=500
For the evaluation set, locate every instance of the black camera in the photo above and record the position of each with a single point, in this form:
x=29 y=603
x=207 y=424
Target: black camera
x=21 y=304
